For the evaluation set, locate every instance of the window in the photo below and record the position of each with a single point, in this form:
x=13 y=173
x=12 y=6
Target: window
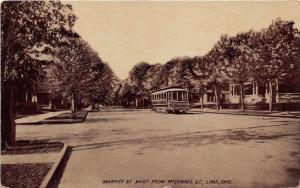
x=180 y=98
x=262 y=89
x=184 y=96
x=248 y=89
x=237 y=89
x=175 y=96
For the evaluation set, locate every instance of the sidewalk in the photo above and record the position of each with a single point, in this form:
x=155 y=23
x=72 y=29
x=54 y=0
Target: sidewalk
x=37 y=118
x=30 y=158
x=293 y=114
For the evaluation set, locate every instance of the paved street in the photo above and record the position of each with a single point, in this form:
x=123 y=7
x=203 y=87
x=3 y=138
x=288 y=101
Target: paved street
x=249 y=151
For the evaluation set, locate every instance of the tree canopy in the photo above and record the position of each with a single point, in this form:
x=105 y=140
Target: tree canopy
x=29 y=30
x=269 y=55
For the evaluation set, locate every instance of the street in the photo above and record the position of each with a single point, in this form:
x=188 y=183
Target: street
x=142 y=146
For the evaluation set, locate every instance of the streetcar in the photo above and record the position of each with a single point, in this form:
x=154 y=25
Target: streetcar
x=173 y=99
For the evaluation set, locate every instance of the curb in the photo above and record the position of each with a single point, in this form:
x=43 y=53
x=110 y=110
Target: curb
x=54 y=168
x=245 y=114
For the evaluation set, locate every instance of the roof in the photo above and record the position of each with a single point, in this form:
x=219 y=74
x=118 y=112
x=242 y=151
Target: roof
x=168 y=89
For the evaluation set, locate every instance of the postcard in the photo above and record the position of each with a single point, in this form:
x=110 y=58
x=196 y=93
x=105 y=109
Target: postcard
x=163 y=94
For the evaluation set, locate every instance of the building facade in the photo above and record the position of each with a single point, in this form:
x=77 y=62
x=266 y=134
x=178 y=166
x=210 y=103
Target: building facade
x=256 y=93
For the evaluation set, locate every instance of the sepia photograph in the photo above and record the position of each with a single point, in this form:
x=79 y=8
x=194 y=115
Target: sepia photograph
x=150 y=94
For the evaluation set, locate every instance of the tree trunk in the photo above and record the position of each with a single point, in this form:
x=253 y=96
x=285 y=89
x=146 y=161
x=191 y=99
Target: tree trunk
x=78 y=104
x=8 y=125
x=73 y=106
x=136 y=103
x=202 y=101
x=270 y=96
x=92 y=105
x=217 y=98
x=242 y=97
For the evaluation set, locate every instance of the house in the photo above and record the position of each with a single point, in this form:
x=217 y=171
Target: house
x=255 y=93
x=33 y=100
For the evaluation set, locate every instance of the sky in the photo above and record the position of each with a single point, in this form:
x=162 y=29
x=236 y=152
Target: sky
x=126 y=33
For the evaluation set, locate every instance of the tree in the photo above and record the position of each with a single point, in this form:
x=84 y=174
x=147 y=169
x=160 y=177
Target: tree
x=279 y=55
x=137 y=73
x=167 y=76
x=216 y=67
x=104 y=86
x=135 y=80
x=74 y=70
x=127 y=94
x=28 y=30
x=238 y=57
x=92 y=82
x=199 y=76
x=180 y=74
x=152 y=78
